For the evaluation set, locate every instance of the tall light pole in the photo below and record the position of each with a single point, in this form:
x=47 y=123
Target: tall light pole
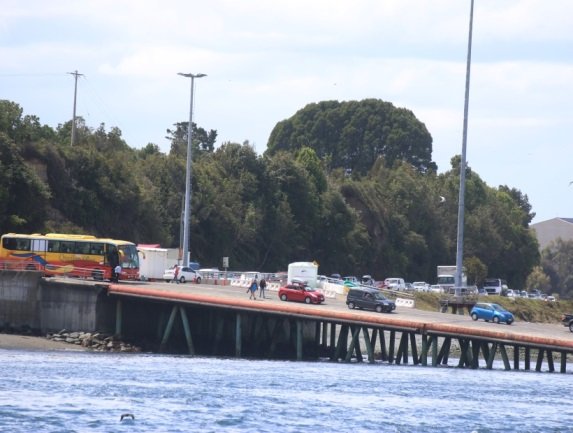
x=461 y=200
x=187 y=212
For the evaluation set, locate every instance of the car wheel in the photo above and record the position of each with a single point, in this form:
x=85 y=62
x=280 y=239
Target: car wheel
x=571 y=326
x=198 y=280
x=351 y=305
x=509 y=322
x=307 y=300
x=167 y=281
x=474 y=316
x=378 y=308
x=283 y=297
x=496 y=319
x=182 y=279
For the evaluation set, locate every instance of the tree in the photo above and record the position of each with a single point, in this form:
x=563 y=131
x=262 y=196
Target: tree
x=202 y=141
x=476 y=271
x=539 y=280
x=23 y=196
x=354 y=134
x=557 y=263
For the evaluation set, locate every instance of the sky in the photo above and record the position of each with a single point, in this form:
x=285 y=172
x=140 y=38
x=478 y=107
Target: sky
x=265 y=60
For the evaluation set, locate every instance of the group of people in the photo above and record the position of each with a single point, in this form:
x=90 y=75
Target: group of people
x=257 y=285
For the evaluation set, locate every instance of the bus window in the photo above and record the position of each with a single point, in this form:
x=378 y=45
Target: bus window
x=82 y=248
x=66 y=247
x=129 y=257
x=96 y=249
x=53 y=246
x=16 y=244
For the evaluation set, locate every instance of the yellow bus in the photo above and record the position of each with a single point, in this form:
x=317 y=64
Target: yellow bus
x=72 y=255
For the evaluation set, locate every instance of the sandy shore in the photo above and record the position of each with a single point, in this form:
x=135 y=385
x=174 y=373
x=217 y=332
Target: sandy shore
x=25 y=342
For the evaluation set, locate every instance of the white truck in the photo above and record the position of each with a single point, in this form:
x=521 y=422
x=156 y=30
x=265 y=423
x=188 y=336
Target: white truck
x=305 y=271
x=447 y=277
x=154 y=261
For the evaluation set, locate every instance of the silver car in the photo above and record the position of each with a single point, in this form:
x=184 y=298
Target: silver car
x=185 y=274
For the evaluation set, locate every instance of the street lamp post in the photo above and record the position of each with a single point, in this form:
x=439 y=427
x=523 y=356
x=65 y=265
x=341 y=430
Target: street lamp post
x=462 y=192
x=187 y=211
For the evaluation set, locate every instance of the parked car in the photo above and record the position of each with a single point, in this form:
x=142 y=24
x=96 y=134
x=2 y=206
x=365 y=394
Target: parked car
x=395 y=283
x=185 y=274
x=351 y=281
x=494 y=312
x=369 y=299
x=367 y=280
x=436 y=288
x=421 y=286
x=299 y=291
x=482 y=291
x=567 y=320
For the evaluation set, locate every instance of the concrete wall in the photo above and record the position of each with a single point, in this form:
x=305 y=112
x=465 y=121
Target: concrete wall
x=19 y=294
x=48 y=305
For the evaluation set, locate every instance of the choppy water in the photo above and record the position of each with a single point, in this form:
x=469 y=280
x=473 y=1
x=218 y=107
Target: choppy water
x=88 y=392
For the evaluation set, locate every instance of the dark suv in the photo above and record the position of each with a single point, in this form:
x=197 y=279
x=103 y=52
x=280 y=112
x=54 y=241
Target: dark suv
x=369 y=299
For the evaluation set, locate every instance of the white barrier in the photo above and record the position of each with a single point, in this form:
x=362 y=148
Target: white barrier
x=402 y=302
x=328 y=293
x=335 y=288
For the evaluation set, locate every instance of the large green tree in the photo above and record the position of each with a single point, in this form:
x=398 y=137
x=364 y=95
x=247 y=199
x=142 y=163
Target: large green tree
x=354 y=134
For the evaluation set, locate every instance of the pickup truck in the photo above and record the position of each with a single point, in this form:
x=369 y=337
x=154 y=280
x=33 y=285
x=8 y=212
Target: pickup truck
x=567 y=320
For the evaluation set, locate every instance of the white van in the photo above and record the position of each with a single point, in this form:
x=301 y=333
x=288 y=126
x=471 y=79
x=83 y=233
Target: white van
x=395 y=283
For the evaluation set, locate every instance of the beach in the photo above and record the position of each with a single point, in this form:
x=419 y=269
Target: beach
x=26 y=342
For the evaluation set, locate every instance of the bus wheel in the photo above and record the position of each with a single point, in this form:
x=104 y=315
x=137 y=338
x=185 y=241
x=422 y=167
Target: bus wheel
x=97 y=275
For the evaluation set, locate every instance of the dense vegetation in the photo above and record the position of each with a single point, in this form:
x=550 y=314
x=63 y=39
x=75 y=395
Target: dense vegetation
x=348 y=184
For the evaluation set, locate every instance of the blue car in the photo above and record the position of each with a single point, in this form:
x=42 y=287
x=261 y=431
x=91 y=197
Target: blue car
x=491 y=312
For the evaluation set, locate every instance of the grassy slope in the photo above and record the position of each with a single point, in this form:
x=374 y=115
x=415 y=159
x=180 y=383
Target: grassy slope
x=527 y=310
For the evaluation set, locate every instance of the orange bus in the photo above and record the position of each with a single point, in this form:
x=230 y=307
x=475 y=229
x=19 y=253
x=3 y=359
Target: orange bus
x=72 y=255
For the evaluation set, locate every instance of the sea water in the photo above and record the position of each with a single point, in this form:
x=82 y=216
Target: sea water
x=89 y=392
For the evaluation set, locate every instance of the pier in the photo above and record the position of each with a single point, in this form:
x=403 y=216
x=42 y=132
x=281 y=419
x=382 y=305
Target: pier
x=217 y=325
x=220 y=320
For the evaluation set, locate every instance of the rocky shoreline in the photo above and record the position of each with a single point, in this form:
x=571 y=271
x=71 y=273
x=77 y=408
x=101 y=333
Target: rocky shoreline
x=95 y=341
x=65 y=340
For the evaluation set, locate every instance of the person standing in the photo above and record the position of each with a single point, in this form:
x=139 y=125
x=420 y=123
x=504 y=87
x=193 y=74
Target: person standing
x=262 y=287
x=175 y=274
x=116 y=273
x=253 y=289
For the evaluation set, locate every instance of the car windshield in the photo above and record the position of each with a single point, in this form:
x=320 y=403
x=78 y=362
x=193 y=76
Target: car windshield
x=309 y=289
x=380 y=296
x=499 y=308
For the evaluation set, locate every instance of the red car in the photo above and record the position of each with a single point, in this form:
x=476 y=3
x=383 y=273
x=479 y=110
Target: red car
x=299 y=291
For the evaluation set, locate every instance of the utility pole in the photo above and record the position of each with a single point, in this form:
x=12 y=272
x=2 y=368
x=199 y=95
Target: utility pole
x=76 y=74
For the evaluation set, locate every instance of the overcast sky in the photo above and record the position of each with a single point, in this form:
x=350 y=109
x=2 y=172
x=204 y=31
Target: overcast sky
x=265 y=60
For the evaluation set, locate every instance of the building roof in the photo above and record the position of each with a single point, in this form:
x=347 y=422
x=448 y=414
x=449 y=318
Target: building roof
x=553 y=229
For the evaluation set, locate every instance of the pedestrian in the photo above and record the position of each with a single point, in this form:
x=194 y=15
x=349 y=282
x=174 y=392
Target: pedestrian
x=253 y=289
x=262 y=287
x=116 y=273
x=175 y=274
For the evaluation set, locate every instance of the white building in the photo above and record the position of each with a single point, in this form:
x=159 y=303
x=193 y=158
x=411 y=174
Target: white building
x=550 y=230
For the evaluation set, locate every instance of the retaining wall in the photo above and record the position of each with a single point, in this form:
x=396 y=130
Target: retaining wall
x=48 y=305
